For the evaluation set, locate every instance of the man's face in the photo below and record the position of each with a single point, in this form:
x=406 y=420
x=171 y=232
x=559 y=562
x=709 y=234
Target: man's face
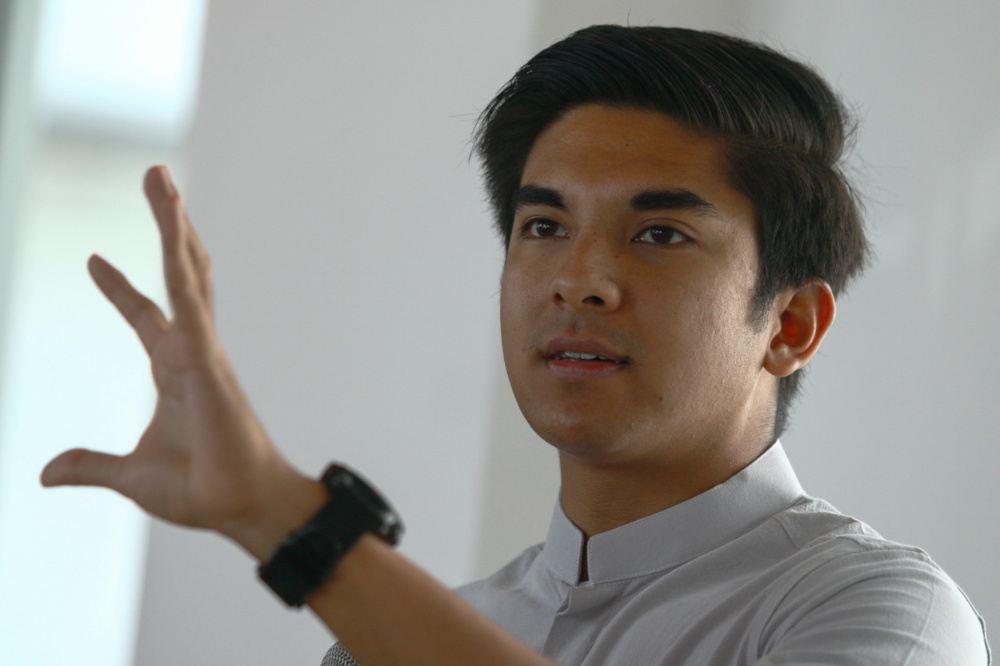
x=626 y=293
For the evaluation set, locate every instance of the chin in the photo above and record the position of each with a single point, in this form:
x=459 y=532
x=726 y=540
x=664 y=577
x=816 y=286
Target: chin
x=582 y=438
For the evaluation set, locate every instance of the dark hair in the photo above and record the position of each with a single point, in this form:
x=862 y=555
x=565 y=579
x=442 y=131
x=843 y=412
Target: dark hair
x=785 y=130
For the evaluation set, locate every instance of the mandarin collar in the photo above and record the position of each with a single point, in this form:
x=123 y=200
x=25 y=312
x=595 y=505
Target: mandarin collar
x=682 y=532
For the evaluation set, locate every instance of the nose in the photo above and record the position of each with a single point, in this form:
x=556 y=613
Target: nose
x=590 y=276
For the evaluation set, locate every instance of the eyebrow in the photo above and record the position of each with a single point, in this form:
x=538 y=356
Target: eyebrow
x=673 y=199
x=663 y=199
x=533 y=195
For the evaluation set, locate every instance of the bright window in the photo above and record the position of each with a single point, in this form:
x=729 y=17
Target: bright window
x=115 y=81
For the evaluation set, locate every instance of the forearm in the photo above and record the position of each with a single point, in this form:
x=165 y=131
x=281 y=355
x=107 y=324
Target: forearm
x=382 y=607
x=386 y=610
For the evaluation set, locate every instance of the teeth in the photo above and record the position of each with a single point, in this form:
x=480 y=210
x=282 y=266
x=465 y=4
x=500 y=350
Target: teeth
x=581 y=356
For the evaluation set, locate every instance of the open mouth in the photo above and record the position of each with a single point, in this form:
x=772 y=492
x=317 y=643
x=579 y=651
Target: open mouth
x=583 y=357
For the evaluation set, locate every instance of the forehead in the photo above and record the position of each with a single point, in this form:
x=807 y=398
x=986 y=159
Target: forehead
x=610 y=153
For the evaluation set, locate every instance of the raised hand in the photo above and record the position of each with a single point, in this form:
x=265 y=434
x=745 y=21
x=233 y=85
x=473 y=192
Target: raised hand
x=204 y=460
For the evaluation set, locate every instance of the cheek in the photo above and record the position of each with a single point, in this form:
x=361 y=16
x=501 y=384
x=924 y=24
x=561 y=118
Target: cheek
x=523 y=282
x=703 y=335
x=732 y=344
x=515 y=306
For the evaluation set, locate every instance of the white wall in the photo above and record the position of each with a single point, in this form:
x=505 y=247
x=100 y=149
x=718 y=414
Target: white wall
x=356 y=279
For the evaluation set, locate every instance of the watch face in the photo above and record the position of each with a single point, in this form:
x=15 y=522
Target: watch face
x=370 y=508
x=359 y=488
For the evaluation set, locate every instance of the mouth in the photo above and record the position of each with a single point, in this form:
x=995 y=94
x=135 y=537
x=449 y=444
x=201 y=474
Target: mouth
x=582 y=359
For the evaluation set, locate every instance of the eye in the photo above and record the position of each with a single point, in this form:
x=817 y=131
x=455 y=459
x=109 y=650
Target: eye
x=542 y=227
x=661 y=236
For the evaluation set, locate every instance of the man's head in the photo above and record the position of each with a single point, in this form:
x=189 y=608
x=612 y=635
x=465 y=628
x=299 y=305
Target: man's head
x=783 y=129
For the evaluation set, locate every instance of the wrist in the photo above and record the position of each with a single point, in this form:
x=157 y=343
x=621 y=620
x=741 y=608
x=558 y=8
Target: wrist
x=305 y=560
x=284 y=503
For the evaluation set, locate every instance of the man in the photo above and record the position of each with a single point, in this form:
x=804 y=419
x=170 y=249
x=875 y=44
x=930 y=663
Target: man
x=677 y=229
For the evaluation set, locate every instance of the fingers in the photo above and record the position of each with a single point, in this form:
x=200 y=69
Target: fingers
x=202 y=264
x=185 y=265
x=140 y=312
x=80 y=467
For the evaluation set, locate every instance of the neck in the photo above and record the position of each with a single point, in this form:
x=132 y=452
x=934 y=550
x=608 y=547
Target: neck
x=598 y=497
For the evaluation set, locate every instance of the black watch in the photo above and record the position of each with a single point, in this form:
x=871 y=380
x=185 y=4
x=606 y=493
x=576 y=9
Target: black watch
x=308 y=556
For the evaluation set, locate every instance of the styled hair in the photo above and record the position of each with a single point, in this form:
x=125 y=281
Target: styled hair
x=784 y=130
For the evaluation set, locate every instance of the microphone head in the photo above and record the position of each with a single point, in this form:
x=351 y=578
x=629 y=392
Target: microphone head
x=338 y=656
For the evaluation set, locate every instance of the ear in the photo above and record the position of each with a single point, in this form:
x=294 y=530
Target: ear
x=804 y=316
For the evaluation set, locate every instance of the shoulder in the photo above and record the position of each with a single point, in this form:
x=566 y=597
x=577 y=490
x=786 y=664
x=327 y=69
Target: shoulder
x=513 y=575
x=891 y=601
x=516 y=596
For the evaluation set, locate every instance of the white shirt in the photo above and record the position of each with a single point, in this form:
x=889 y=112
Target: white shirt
x=750 y=572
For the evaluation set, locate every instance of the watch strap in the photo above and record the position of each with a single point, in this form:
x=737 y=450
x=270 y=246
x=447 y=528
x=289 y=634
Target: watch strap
x=308 y=556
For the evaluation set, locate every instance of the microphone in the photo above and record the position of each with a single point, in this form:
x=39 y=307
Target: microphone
x=338 y=656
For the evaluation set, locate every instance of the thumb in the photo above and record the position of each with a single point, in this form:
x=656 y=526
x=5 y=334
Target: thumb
x=80 y=467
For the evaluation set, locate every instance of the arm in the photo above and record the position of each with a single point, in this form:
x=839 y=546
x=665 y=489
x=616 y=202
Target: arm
x=205 y=461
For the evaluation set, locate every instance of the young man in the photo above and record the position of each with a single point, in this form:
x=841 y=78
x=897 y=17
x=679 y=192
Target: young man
x=677 y=229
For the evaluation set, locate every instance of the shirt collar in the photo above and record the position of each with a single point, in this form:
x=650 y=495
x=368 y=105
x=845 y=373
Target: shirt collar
x=671 y=537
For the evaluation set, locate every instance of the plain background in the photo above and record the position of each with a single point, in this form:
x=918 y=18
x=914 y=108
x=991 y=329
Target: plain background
x=357 y=276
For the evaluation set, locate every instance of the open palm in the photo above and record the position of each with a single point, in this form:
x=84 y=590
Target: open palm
x=204 y=459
